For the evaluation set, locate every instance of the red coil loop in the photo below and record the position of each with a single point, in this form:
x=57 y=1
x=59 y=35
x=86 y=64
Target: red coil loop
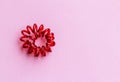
x=32 y=34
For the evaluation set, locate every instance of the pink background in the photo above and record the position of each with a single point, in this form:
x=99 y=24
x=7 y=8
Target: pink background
x=87 y=35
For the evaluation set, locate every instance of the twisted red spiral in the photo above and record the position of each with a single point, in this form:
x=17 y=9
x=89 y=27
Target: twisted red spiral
x=31 y=34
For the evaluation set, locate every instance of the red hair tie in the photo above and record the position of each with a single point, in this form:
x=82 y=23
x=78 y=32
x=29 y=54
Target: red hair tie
x=32 y=35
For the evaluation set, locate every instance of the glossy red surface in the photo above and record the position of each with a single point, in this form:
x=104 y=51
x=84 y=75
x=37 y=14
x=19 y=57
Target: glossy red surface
x=31 y=34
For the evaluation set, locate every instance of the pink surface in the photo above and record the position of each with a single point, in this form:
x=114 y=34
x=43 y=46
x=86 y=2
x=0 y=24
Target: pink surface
x=87 y=35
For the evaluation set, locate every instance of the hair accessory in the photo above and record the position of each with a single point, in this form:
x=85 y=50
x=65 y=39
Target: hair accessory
x=37 y=40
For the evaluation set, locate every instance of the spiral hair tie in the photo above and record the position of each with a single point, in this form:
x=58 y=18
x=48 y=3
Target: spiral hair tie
x=37 y=40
